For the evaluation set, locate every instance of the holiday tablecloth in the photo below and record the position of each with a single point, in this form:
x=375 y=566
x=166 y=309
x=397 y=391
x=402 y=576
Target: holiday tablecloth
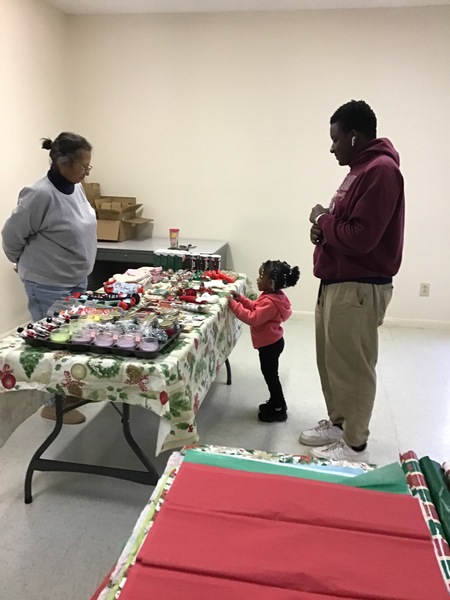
x=173 y=385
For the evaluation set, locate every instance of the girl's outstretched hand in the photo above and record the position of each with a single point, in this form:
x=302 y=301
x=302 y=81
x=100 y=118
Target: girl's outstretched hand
x=235 y=295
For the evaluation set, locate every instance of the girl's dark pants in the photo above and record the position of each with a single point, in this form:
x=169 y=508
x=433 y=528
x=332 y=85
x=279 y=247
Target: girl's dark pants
x=268 y=357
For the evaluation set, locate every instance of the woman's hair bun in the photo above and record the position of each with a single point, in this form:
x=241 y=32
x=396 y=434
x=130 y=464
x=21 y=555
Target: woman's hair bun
x=47 y=144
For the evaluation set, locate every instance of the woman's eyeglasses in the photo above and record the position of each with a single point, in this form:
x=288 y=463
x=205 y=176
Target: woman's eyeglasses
x=87 y=169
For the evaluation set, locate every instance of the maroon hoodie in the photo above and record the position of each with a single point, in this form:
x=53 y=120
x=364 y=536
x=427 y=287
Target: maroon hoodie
x=363 y=234
x=264 y=316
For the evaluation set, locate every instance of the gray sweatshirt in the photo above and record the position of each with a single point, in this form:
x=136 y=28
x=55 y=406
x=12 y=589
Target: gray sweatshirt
x=51 y=235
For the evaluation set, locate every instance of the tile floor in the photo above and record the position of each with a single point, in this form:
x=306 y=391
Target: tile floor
x=64 y=543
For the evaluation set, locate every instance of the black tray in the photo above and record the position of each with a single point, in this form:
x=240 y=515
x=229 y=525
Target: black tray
x=85 y=348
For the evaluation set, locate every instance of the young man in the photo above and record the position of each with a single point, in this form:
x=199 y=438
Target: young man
x=359 y=243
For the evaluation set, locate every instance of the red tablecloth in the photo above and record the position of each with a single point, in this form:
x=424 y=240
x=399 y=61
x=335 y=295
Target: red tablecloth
x=221 y=531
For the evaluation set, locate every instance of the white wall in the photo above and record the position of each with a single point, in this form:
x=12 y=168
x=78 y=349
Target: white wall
x=219 y=123
x=33 y=104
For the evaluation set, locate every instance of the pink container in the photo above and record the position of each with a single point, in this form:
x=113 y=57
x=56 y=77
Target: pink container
x=104 y=339
x=126 y=341
x=149 y=344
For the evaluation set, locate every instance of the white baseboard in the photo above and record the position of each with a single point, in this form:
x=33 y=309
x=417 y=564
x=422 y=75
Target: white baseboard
x=388 y=321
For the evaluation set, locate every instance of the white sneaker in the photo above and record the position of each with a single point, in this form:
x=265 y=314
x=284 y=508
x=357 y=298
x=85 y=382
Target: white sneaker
x=340 y=451
x=324 y=433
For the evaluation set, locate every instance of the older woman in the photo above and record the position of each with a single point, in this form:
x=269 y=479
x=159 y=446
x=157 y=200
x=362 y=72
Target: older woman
x=51 y=234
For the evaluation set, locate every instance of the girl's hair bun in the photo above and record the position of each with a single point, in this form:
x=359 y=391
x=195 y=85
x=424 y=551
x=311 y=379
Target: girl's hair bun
x=47 y=144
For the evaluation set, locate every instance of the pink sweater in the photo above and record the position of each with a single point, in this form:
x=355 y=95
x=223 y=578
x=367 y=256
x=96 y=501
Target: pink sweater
x=264 y=316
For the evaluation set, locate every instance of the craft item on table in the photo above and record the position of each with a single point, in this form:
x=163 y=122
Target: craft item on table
x=41 y=328
x=170 y=326
x=214 y=284
x=121 y=299
x=193 y=307
x=104 y=339
x=149 y=344
x=112 y=286
x=56 y=320
x=60 y=335
x=145 y=276
x=127 y=341
x=82 y=336
x=157 y=333
x=93 y=304
x=190 y=299
x=177 y=259
x=219 y=275
x=32 y=334
x=419 y=489
x=208 y=298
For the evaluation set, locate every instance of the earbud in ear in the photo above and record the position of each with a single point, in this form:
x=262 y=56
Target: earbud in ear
x=353 y=140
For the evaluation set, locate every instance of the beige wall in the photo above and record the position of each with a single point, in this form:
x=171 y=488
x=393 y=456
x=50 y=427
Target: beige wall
x=33 y=104
x=219 y=125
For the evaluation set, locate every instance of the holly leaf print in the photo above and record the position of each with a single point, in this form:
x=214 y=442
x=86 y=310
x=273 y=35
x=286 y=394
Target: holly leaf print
x=29 y=359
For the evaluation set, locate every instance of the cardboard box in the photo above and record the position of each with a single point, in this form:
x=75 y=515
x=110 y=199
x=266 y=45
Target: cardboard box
x=118 y=217
x=119 y=231
x=92 y=191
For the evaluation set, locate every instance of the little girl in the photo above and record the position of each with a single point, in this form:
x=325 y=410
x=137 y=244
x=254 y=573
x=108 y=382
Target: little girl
x=265 y=316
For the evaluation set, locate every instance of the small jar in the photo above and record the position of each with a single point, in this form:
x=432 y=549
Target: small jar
x=149 y=344
x=127 y=341
x=81 y=336
x=105 y=339
x=60 y=335
x=106 y=318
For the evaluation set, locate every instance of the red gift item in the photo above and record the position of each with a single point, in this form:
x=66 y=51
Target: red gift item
x=225 y=277
x=219 y=275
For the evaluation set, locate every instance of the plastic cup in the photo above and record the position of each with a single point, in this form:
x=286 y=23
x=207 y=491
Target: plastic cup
x=149 y=344
x=126 y=341
x=60 y=335
x=173 y=237
x=104 y=339
x=82 y=336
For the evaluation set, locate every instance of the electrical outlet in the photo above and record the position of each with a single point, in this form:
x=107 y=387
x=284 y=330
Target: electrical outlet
x=424 y=289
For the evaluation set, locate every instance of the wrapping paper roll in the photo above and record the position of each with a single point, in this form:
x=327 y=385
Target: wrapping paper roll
x=439 y=492
x=419 y=489
x=446 y=469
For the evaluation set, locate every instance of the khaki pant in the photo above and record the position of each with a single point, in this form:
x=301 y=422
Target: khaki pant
x=347 y=319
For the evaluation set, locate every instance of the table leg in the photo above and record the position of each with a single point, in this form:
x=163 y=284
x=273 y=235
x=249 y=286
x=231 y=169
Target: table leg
x=132 y=442
x=148 y=477
x=228 y=366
